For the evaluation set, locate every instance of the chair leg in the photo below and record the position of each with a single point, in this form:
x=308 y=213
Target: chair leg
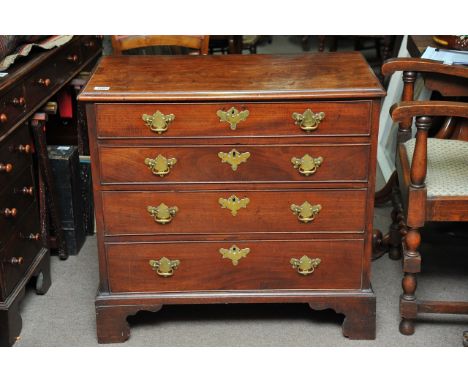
x=395 y=236
x=411 y=266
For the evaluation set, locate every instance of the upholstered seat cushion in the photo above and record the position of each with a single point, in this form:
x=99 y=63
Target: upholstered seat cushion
x=447 y=166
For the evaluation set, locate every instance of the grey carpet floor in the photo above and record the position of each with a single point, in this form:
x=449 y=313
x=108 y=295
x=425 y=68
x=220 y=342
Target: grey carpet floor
x=65 y=315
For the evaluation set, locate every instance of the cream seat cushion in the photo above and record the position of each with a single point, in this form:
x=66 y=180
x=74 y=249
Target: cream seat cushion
x=447 y=166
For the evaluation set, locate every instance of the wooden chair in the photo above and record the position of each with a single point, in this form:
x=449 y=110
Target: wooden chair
x=121 y=43
x=431 y=178
x=450 y=81
x=433 y=182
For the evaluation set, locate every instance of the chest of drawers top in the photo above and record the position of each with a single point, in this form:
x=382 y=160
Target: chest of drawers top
x=232 y=77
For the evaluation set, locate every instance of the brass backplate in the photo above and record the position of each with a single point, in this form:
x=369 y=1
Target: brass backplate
x=234 y=158
x=234 y=253
x=233 y=203
x=232 y=116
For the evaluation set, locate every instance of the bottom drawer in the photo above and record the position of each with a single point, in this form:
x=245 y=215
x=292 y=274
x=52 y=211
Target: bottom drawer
x=253 y=265
x=20 y=251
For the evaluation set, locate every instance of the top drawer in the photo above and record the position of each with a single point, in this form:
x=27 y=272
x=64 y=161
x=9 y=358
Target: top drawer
x=238 y=120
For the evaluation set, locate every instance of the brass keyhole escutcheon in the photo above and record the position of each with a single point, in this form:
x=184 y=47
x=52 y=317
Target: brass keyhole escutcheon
x=308 y=121
x=158 y=122
x=160 y=165
x=162 y=214
x=232 y=116
x=306 y=212
x=234 y=253
x=164 y=267
x=305 y=265
x=233 y=203
x=307 y=165
x=234 y=158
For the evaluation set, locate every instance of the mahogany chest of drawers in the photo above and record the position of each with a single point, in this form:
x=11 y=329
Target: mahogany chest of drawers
x=233 y=179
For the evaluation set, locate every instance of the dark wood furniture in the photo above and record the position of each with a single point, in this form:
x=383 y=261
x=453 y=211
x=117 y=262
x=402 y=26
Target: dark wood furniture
x=217 y=183
x=417 y=198
x=450 y=81
x=121 y=43
x=25 y=177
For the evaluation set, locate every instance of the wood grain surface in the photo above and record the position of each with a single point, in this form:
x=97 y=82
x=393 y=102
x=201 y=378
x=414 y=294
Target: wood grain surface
x=269 y=211
x=266 y=163
x=245 y=77
x=267 y=266
x=264 y=120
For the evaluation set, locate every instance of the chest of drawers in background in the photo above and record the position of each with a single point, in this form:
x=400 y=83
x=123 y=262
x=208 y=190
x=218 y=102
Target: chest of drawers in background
x=233 y=179
x=30 y=83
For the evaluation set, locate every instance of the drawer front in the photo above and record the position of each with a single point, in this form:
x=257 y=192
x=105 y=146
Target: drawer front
x=126 y=213
x=12 y=107
x=20 y=251
x=239 y=164
x=15 y=154
x=262 y=265
x=15 y=200
x=42 y=83
x=202 y=121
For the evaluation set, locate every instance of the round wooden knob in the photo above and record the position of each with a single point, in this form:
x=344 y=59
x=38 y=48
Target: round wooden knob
x=34 y=236
x=7 y=212
x=3 y=118
x=30 y=236
x=72 y=58
x=45 y=82
x=27 y=191
x=26 y=149
x=19 y=101
x=6 y=167
x=16 y=260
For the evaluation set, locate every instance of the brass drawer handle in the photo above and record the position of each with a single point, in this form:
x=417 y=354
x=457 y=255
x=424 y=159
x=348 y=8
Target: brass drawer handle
x=6 y=167
x=234 y=253
x=307 y=165
x=164 y=267
x=305 y=265
x=308 y=121
x=306 y=212
x=160 y=165
x=158 y=122
x=233 y=203
x=234 y=158
x=9 y=212
x=162 y=214
x=232 y=116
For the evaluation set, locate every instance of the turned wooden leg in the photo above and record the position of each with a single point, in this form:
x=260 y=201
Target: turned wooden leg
x=111 y=321
x=394 y=239
x=465 y=339
x=411 y=266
